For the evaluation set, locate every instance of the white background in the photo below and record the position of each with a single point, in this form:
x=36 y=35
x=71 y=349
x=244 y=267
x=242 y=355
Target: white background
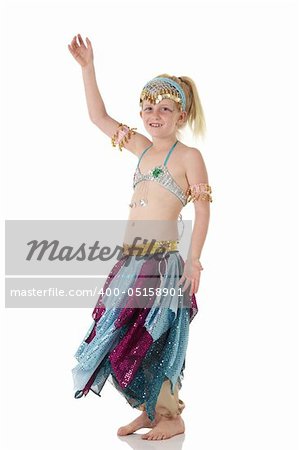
x=241 y=378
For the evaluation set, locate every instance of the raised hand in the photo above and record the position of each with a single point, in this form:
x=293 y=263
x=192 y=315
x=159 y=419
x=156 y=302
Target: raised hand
x=82 y=53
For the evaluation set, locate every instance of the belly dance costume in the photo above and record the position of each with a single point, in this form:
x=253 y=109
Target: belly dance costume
x=136 y=342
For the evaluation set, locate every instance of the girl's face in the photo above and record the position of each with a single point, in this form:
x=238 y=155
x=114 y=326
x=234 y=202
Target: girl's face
x=164 y=114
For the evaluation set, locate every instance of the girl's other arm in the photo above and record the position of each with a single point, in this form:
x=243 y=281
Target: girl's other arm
x=96 y=107
x=196 y=172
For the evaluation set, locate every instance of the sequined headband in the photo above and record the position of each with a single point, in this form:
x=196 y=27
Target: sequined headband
x=159 y=88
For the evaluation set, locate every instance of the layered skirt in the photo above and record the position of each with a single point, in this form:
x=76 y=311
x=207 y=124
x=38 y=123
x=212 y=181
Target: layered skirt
x=139 y=334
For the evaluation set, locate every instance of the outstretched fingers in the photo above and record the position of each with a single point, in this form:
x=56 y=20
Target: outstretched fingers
x=74 y=42
x=81 y=40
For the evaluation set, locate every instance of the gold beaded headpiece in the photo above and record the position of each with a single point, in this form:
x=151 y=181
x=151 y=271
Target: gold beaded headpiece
x=159 y=88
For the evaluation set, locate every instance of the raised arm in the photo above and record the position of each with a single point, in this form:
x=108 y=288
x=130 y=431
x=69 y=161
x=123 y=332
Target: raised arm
x=83 y=54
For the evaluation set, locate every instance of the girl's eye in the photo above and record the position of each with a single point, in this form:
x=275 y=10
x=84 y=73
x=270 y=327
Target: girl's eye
x=151 y=108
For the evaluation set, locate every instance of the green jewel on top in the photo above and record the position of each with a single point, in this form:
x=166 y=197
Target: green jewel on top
x=157 y=171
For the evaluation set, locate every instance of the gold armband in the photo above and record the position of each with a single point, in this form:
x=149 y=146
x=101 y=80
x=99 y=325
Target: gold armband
x=200 y=191
x=122 y=135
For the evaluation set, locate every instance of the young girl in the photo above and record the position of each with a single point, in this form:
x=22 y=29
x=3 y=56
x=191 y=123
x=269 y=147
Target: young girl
x=140 y=344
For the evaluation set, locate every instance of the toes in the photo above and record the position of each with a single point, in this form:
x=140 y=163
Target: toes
x=154 y=436
x=123 y=431
x=146 y=436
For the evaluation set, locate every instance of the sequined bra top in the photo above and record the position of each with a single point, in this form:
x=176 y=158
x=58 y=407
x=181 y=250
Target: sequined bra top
x=161 y=175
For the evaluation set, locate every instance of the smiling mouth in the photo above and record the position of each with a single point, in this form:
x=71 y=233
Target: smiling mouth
x=155 y=125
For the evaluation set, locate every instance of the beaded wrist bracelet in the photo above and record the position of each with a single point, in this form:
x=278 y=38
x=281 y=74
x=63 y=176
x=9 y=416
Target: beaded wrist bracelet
x=198 y=191
x=122 y=135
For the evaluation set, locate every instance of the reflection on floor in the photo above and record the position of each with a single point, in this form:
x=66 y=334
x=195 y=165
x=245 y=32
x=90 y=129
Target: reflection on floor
x=137 y=443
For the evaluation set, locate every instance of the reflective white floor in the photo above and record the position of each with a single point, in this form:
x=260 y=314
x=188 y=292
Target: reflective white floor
x=136 y=443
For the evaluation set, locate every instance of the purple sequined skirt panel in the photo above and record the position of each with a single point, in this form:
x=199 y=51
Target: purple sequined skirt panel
x=139 y=334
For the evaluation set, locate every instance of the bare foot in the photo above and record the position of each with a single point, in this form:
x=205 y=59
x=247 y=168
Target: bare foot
x=141 y=421
x=166 y=428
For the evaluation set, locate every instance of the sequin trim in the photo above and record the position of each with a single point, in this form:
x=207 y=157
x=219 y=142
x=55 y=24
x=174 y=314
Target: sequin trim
x=122 y=135
x=200 y=191
x=150 y=247
x=165 y=179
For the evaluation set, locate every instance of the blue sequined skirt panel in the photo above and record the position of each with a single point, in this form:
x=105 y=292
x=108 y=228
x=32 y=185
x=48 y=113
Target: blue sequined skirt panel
x=139 y=334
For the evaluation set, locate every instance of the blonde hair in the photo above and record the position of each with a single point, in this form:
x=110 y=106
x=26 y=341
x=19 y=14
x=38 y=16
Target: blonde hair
x=195 y=115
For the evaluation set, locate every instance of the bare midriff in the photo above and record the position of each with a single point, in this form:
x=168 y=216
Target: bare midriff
x=158 y=219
